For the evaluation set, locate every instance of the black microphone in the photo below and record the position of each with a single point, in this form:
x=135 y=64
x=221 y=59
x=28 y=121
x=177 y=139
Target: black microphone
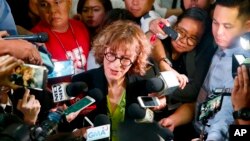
x=39 y=37
x=140 y=114
x=154 y=85
x=101 y=119
x=67 y=91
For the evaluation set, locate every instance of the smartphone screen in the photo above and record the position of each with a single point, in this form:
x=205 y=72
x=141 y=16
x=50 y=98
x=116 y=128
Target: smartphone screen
x=208 y=108
x=30 y=76
x=79 y=105
x=62 y=69
x=147 y=101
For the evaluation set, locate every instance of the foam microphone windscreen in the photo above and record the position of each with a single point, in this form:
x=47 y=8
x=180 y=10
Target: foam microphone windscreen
x=154 y=85
x=101 y=119
x=75 y=88
x=96 y=94
x=136 y=112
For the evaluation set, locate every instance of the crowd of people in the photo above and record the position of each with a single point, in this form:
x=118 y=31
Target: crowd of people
x=116 y=46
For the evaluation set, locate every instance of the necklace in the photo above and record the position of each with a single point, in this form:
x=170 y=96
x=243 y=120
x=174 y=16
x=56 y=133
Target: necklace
x=63 y=47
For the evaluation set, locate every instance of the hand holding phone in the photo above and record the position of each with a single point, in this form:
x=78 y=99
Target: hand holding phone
x=209 y=108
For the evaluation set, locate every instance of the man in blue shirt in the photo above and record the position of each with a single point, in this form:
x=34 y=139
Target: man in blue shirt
x=231 y=18
x=6 y=18
x=20 y=49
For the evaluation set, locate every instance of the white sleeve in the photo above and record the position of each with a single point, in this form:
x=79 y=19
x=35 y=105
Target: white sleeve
x=145 y=20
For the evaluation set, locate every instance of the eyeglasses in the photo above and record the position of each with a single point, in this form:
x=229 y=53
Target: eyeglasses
x=190 y=40
x=111 y=57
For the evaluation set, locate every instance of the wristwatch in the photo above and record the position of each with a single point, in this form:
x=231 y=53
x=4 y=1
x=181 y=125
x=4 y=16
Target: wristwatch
x=243 y=113
x=165 y=59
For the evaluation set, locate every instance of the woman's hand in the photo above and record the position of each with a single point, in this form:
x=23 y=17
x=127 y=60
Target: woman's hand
x=183 y=79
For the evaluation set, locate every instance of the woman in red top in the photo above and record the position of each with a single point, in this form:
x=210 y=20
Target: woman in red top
x=68 y=38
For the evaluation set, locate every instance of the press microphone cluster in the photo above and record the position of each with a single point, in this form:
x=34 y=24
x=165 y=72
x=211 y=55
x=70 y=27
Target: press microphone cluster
x=39 y=37
x=166 y=83
x=49 y=126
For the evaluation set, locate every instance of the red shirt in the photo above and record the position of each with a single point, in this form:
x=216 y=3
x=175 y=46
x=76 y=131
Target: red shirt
x=67 y=45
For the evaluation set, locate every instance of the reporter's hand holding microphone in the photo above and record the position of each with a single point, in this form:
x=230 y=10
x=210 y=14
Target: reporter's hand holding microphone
x=20 y=49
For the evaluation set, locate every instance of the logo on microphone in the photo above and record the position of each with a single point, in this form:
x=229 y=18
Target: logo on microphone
x=99 y=132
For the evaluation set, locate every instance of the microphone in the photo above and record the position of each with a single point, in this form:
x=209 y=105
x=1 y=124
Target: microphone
x=49 y=126
x=140 y=114
x=101 y=129
x=165 y=84
x=39 y=37
x=66 y=91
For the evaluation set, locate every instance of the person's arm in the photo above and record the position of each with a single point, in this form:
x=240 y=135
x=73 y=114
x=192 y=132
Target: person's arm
x=183 y=115
x=241 y=93
x=21 y=49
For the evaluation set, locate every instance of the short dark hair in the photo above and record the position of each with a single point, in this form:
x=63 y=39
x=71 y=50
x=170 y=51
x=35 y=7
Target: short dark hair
x=106 y=4
x=242 y=5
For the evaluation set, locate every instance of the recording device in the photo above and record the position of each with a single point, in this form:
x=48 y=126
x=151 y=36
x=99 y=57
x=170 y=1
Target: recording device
x=170 y=31
x=93 y=95
x=30 y=76
x=47 y=127
x=238 y=60
x=101 y=129
x=148 y=101
x=165 y=84
x=62 y=69
x=208 y=108
x=141 y=115
x=39 y=37
x=67 y=91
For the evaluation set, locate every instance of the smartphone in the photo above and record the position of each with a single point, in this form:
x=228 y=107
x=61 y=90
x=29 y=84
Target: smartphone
x=208 y=108
x=148 y=101
x=62 y=69
x=79 y=105
x=30 y=76
x=170 y=32
x=238 y=60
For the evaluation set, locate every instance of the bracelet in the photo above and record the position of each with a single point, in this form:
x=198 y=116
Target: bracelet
x=166 y=60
